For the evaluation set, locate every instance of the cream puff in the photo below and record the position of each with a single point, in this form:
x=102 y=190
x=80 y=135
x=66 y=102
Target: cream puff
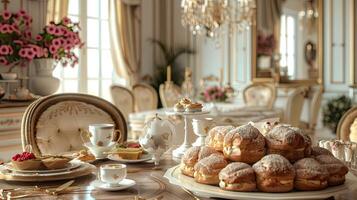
x=237 y=176
x=316 y=151
x=336 y=169
x=310 y=175
x=274 y=173
x=244 y=144
x=178 y=107
x=286 y=141
x=192 y=156
x=193 y=107
x=216 y=135
x=208 y=168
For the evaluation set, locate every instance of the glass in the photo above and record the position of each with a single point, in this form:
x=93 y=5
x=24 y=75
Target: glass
x=73 y=7
x=104 y=9
x=107 y=64
x=92 y=33
x=105 y=43
x=93 y=87
x=70 y=86
x=92 y=8
x=93 y=63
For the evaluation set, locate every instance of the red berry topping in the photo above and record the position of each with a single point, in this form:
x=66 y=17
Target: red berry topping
x=23 y=156
x=134 y=145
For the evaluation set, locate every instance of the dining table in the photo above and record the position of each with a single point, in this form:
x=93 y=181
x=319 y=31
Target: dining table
x=150 y=185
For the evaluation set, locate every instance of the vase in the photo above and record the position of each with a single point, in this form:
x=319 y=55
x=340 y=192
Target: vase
x=44 y=83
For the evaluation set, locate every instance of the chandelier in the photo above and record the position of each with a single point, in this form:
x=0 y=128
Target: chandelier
x=209 y=16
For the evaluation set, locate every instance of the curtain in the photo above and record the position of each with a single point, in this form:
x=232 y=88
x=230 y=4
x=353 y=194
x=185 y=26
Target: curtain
x=56 y=10
x=125 y=37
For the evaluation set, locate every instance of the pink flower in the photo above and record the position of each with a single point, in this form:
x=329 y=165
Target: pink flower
x=58 y=31
x=22 y=12
x=19 y=42
x=3 y=60
x=6 y=15
x=66 y=20
x=11 y=51
x=56 y=42
x=38 y=37
x=5 y=28
x=23 y=53
x=53 y=49
x=30 y=53
x=4 y=50
x=50 y=29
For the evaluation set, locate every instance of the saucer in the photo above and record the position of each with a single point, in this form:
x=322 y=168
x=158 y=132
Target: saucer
x=122 y=185
x=98 y=152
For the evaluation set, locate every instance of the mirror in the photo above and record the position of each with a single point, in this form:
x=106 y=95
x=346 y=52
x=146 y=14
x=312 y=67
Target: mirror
x=287 y=41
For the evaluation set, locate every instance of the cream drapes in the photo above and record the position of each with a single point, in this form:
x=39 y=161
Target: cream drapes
x=56 y=10
x=125 y=37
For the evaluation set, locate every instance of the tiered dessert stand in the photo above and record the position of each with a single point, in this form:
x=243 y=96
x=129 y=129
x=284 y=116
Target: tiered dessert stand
x=177 y=153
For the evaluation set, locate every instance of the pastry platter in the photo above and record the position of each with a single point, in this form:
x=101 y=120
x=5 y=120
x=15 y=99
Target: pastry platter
x=71 y=165
x=208 y=191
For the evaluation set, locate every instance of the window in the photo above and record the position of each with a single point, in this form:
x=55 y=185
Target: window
x=94 y=73
x=287 y=43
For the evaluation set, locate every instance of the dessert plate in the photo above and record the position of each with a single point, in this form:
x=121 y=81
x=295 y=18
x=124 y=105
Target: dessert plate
x=124 y=184
x=208 y=191
x=144 y=157
x=70 y=166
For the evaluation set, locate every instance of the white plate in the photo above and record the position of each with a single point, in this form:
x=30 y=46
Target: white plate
x=71 y=165
x=172 y=112
x=124 y=184
x=175 y=177
x=115 y=157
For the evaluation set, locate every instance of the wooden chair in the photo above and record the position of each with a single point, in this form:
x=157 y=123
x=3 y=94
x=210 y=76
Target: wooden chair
x=145 y=97
x=294 y=106
x=54 y=124
x=123 y=99
x=316 y=98
x=260 y=95
x=347 y=126
x=169 y=94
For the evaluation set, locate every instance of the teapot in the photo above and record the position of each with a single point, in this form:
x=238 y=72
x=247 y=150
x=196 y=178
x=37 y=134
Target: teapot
x=157 y=137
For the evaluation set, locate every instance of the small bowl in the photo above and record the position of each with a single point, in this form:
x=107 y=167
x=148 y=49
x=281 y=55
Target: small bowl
x=8 y=75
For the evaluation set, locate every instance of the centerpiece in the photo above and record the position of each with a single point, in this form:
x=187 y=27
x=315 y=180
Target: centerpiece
x=214 y=94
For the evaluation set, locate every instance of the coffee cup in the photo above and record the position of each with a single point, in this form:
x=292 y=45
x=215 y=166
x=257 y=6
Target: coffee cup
x=103 y=135
x=112 y=174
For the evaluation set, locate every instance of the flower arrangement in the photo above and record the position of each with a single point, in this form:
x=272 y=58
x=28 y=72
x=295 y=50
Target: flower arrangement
x=266 y=45
x=16 y=47
x=333 y=111
x=215 y=94
x=59 y=41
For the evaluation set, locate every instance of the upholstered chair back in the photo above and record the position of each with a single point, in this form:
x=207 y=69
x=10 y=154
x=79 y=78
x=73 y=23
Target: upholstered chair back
x=145 y=96
x=315 y=106
x=347 y=126
x=123 y=99
x=259 y=94
x=54 y=124
x=169 y=94
x=294 y=106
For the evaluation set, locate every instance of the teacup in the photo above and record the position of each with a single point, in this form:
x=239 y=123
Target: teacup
x=201 y=128
x=103 y=135
x=112 y=174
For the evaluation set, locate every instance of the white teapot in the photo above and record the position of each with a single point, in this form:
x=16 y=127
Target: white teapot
x=157 y=137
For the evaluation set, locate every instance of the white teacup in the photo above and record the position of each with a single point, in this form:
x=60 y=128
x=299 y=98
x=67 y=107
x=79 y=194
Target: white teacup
x=201 y=128
x=103 y=135
x=112 y=174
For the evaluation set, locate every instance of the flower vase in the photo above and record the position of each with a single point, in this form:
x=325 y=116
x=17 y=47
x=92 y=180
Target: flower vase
x=44 y=83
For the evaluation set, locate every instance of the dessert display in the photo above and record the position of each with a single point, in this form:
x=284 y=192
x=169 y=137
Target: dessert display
x=192 y=156
x=310 y=175
x=274 y=174
x=244 y=144
x=216 y=136
x=208 y=168
x=286 y=141
x=336 y=169
x=237 y=176
x=84 y=156
x=185 y=104
x=281 y=161
x=26 y=161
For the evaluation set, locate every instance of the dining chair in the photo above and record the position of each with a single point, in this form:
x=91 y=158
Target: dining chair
x=145 y=97
x=54 y=124
x=169 y=94
x=315 y=104
x=347 y=126
x=294 y=105
x=123 y=99
x=259 y=94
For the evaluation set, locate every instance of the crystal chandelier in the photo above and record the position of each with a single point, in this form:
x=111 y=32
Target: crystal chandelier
x=209 y=16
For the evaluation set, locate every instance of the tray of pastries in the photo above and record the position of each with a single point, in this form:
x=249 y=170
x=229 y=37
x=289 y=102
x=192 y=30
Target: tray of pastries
x=186 y=106
x=242 y=163
x=26 y=166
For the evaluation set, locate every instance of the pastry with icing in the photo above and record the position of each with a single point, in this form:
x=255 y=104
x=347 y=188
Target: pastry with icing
x=216 y=136
x=207 y=169
x=237 y=176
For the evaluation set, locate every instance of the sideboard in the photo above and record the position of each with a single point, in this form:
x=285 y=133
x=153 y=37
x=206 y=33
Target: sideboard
x=10 y=128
